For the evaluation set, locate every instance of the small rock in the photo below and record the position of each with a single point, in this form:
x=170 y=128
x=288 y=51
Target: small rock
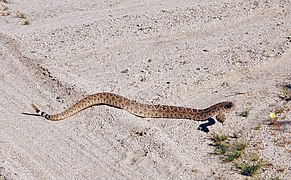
x=124 y=71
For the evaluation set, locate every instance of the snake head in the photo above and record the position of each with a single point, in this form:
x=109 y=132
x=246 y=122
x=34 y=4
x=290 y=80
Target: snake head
x=225 y=107
x=229 y=106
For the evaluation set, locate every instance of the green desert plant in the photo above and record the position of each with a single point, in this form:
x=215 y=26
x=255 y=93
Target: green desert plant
x=249 y=169
x=219 y=137
x=221 y=149
x=235 y=151
x=245 y=113
x=232 y=155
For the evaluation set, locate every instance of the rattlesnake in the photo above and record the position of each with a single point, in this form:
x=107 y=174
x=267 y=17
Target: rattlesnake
x=142 y=110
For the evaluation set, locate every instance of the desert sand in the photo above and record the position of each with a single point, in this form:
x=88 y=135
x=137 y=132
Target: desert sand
x=184 y=53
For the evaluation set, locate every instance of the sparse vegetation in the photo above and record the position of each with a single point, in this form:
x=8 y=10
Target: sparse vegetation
x=277 y=116
x=249 y=169
x=245 y=113
x=23 y=16
x=286 y=92
x=221 y=149
x=5 y=11
x=240 y=146
x=26 y=21
x=232 y=156
x=219 y=137
x=230 y=151
x=233 y=151
x=277 y=119
x=255 y=157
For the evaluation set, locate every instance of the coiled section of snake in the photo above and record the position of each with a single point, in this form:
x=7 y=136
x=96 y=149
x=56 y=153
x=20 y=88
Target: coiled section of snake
x=142 y=110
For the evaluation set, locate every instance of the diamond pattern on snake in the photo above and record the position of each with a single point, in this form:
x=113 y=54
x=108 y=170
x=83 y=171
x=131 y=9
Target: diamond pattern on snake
x=142 y=110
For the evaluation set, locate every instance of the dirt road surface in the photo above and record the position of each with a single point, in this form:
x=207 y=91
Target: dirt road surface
x=184 y=53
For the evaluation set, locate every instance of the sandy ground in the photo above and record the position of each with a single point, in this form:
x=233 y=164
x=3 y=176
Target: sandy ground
x=185 y=53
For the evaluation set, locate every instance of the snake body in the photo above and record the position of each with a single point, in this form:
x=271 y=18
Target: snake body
x=142 y=110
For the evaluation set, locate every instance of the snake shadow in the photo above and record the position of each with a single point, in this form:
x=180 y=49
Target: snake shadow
x=204 y=127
